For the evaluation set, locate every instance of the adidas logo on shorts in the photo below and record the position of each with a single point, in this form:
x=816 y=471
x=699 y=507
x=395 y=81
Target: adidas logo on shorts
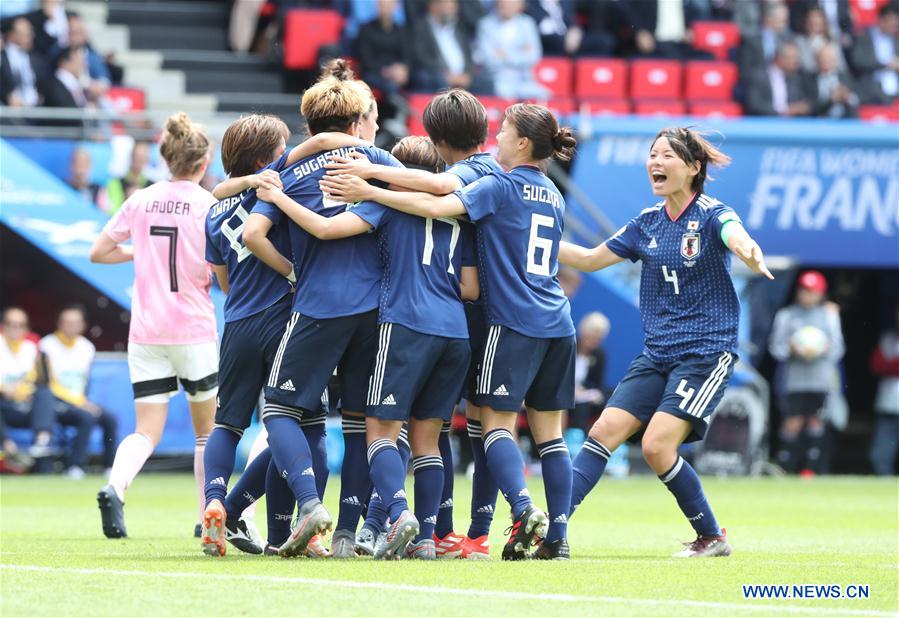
x=217 y=481
x=400 y=494
x=287 y=386
x=351 y=500
x=501 y=391
x=487 y=508
x=308 y=472
x=561 y=519
x=389 y=400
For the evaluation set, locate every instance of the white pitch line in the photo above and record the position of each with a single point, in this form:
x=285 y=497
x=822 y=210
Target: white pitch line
x=493 y=594
x=678 y=561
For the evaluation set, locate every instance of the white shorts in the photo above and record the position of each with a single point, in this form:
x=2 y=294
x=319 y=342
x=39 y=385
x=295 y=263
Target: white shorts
x=156 y=370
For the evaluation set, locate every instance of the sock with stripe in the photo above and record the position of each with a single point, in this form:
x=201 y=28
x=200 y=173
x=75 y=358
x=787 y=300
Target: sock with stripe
x=250 y=486
x=428 y=473
x=218 y=460
x=130 y=457
x=200 y=472
x=279 y=504
x=376 y=515
x=507 y=467
x=445 y=514
x=355 y=483
x=556 y=465
x=260 y=445
x=317 y=437
x=587 y=469
x=388 y=475
x=291 y=455
x=788 y=453
x=682 y=481
x=483 y=488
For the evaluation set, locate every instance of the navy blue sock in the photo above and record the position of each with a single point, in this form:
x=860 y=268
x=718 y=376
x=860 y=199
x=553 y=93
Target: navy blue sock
x=445 y=514
x=355 y=483
x=218 y=461
x=428 y=473
x=682 y=481
x=483 y=488
x=376 y=515
x=556 y=465
x=388 y=475
x=587 y=469
x=507 y=467
x=250 y=487
x=279 y=503
x=291 y=454
x=317 y=438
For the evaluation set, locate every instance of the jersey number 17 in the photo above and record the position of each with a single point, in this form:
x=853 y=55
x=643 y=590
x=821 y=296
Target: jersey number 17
x=429 y=241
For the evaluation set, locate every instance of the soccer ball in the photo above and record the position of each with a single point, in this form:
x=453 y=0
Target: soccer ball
x=809 y=341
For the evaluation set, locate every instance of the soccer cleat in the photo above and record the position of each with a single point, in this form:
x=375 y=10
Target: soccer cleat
x=238 y=533
x=253 y=531
x=424 y=549
x=311 y=520
x=555 y=550
x=475 y=549
x=343 y=545
x=530 y=523
x=316 y=548
x=365 y=542
x=212 y=533
x=398 y=536
x=112 y=513
x=270 y=550
x=706 y=547
x=449 y=547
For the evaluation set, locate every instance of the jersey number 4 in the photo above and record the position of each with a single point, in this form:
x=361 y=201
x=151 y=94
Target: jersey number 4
x=171 y=233
x=671 y=277
x=429 y=241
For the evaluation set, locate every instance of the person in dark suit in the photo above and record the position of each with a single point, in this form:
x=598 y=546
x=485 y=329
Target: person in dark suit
x=661 y=29
x=758 y=49
x=836 y=98
x=21 y=70
x=63 y=88
x=384 y=52
x=590 y=390
x=875 y=58
x=562 y=35
x=781 y=89
x=837 y=13
x=51 y=26
x=469 y=13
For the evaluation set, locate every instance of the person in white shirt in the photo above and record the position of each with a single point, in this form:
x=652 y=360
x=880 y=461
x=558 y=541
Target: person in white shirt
x=69 y=356
x=508 y=46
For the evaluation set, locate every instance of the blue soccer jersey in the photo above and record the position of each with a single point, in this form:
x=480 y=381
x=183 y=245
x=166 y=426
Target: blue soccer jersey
x=334 y=277
x=476 y=166
x=687 y=300
x=422 y=261
x=254 y=287
x=520 y=218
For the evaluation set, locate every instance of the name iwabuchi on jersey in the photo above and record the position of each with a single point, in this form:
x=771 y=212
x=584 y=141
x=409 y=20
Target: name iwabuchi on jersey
x=688 y=303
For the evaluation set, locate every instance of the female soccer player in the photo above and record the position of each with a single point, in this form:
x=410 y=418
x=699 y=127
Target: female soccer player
x=172 y=336
x=457 y=125
x=423 y=353
x=690 y=313
x=530 y=350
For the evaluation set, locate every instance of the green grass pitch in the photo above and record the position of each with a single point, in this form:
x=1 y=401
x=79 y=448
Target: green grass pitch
x=55 y=561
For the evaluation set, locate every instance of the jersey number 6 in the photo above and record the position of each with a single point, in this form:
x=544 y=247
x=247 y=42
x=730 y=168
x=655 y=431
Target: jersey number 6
x=544 y=244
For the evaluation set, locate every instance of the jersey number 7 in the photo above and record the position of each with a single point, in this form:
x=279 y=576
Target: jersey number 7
x=171 y=233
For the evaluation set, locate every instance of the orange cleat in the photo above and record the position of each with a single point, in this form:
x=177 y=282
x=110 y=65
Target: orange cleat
x=316 y=548
x=449 y=547
x=476 y=549
x=213 y=533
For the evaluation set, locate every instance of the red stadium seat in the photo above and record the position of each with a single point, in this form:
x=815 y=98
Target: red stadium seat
x=605 y=107
x=556 y=74
x=660 y=108
x=716 y=109
x=126 y=99
x=716 y=37
x=417 y=105
x=656 y=79
x=305 y=31
x=864 y=12
x=710 y=81
x=879 y=113
x=560 y=106
x=600 y=77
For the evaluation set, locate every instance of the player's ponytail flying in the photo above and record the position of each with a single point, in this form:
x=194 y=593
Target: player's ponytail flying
x=691 y=146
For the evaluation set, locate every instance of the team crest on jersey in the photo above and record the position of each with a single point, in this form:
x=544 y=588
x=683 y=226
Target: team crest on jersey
x=689 y=245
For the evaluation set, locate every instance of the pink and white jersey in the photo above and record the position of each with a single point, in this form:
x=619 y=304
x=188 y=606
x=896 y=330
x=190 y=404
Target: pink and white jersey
x=166 y=225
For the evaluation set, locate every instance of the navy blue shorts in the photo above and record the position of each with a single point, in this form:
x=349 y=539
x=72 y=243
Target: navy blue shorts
x=247 y=351
x=689 y=389
x=310 y=350
x=477 y=336
x=516 y=368
x=416 y=375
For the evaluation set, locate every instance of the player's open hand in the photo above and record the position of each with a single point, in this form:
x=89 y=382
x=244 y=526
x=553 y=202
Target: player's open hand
x=751 y=254
x=346 y=188
x=267 y=178
x=356 y=164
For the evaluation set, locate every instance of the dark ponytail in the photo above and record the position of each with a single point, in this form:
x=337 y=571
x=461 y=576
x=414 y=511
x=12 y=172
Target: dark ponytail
x=540 y=126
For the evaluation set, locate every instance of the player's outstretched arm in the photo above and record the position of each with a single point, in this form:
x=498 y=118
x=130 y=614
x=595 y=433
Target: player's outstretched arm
x=744 y=247
x=469 y=284
x=321 y=142
x=221 y=275
x=108 y=251
x=325 y=228
x=239 y=184
x=255 y=237
x=353 y=189
x=416 y=180
x=585 y=259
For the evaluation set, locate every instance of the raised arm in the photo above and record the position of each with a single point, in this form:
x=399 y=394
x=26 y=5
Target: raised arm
x=239 y=184
x=325 y=228
x=469 y=284
x=255 y=237
x=353 y=189
x=108 y=251
x=737 y=239
x=587 y=260
x=417 y=180
x=321 y=142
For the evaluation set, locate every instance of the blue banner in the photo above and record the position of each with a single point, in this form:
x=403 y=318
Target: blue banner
x=821 y=192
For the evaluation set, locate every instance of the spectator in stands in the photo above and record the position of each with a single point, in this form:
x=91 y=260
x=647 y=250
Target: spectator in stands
x=21 y=70
x=51 y=26
x=69 y=356
x=885 y=363
x=875 y=57
x=836 y=13
x=96 y=75
x=758 y=50
x=815 y=35
x=441 y=52
x=135 y=178
x=560 y=33
x=64 y=88
x=469 y=12
x=23 y=403
x=384 y=51
x=781 y=90
x=836 y=98
x=661 y=28
x=589 y=371
x=508 y=47
x=80 y=175
x=361 y=12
